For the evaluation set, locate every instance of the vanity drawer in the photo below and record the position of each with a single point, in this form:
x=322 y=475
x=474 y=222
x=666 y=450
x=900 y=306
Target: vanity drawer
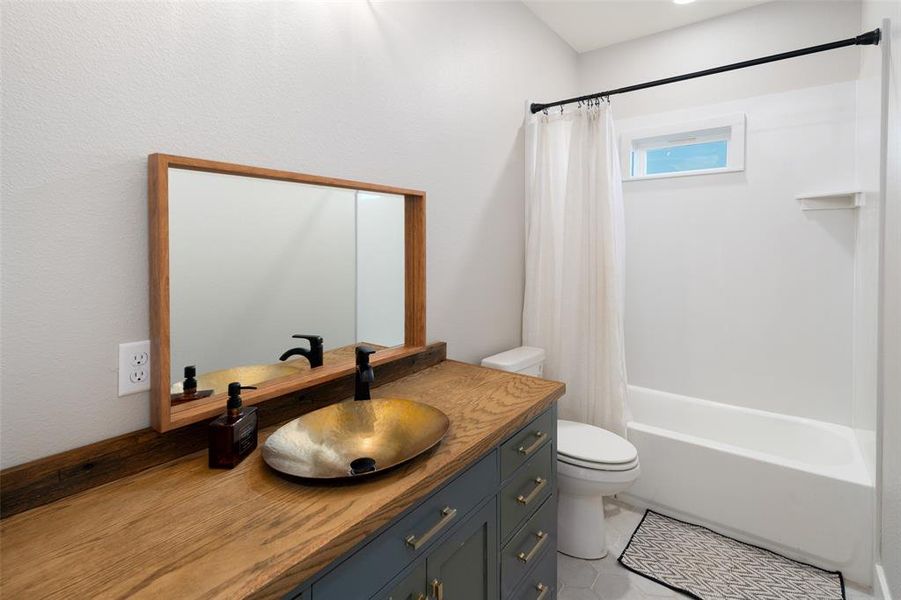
x=411 y=587
x=525 y=443
x=541 y=582
x=528 y=546
x=373 y=565
x=526 y=490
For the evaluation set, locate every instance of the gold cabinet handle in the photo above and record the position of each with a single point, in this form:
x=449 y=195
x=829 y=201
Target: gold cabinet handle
x=540 y=482
x=539 y=435
x=526 y=557
x=543 y=591
x=438 y=590
x=447 y=515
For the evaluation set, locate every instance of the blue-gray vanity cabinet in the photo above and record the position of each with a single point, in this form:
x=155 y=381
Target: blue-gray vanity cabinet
x=465 y=564
x=528 y=546
x=411 y=586
x=523 y=444
x=409 y=537
x=527 y=489
x=485 y=535
x=541 y=582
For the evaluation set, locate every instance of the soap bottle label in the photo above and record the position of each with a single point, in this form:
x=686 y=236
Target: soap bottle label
x=246 y=439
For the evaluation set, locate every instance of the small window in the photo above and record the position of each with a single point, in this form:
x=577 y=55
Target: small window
x=711 y=146
x=686 y=157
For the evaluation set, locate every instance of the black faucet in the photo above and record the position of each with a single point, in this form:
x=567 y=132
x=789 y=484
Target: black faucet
x=314 y=354
x=364 y=374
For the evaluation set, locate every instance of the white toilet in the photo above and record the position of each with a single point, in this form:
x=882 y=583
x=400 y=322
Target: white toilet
x=591 y=463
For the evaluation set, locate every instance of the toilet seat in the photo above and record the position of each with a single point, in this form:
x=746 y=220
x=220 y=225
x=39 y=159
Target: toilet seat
x=606 y=482
x=597 y=466
x=589 y=447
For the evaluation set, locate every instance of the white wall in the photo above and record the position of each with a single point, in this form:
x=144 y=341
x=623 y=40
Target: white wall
x=254 y=261
x=380 y=269
x=734 y=294
x=424 y=95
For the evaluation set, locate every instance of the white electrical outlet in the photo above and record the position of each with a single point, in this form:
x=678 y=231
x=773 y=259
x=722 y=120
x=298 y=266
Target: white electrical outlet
x=134 y=367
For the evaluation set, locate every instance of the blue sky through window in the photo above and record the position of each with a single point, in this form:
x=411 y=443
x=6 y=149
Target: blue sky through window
x=690 y=157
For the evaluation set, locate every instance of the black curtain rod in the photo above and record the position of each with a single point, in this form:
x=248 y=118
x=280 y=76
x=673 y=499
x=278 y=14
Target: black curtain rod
x=871 y=38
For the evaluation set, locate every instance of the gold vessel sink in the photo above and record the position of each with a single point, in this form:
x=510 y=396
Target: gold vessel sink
x=247 y=375
x=355 y=438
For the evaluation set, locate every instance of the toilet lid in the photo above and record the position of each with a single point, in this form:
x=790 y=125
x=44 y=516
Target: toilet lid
x=587 y=443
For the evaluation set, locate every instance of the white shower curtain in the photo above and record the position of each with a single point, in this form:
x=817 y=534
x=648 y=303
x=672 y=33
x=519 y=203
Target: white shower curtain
x=573 y=304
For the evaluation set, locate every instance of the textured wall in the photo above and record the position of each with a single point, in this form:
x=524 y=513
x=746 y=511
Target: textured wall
x=423 y=95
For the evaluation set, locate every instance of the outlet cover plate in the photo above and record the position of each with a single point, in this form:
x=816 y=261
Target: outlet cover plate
x=134 y=368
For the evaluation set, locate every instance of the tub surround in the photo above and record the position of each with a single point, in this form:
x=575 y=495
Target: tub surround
x=183 y=530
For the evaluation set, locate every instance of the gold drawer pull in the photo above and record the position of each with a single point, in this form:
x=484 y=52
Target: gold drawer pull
x=438 y=589
x=447 y=515
x=543 y=591
x=542 y=538
x=539 y=485
x=539 y=435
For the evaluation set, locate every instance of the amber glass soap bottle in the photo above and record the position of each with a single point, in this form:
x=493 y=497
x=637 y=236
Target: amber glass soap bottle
x=233 y=435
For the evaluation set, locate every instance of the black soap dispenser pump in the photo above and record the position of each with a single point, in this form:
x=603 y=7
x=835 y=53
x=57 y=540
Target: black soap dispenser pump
x=233 y=435
x=189 y=388
x=190 y=384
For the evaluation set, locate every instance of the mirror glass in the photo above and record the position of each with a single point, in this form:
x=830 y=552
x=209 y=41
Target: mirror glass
x=254 y=261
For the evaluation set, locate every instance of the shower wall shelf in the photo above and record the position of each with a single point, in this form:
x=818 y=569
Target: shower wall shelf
x=832 y=201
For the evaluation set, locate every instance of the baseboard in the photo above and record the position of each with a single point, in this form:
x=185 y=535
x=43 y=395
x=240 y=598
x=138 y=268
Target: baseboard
x=880 y=584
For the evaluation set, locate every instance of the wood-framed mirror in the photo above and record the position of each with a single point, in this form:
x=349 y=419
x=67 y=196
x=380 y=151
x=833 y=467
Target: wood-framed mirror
x=244 y=258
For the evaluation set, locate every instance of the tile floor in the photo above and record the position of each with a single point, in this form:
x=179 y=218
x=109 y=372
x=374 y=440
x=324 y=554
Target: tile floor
x=606 y=579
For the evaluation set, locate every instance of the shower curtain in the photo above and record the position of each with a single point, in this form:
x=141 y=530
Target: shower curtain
x=574 y=289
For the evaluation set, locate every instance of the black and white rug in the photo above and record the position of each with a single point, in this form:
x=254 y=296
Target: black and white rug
x=704 y=564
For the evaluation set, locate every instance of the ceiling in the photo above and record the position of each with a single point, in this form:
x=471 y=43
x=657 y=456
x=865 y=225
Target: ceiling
x=591 y=24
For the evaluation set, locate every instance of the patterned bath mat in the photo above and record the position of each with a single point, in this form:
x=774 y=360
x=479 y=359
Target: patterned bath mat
x=709 y=566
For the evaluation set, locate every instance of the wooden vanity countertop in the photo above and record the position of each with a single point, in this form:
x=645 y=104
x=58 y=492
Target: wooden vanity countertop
x=182 y=530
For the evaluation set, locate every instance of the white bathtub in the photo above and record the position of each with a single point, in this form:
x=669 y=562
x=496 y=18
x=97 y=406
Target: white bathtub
x=796 y=486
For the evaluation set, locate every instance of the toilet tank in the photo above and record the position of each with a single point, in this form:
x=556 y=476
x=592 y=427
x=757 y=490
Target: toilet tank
x=525 y=360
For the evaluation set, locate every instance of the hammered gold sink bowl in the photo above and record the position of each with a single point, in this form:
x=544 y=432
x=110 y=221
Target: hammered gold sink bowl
x=247 y=375
x=355 y=438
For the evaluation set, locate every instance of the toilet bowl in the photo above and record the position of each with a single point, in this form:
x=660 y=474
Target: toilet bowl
x=591 y=463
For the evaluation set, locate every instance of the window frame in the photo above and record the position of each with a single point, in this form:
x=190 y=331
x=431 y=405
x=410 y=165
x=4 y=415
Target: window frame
x=731 y=128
